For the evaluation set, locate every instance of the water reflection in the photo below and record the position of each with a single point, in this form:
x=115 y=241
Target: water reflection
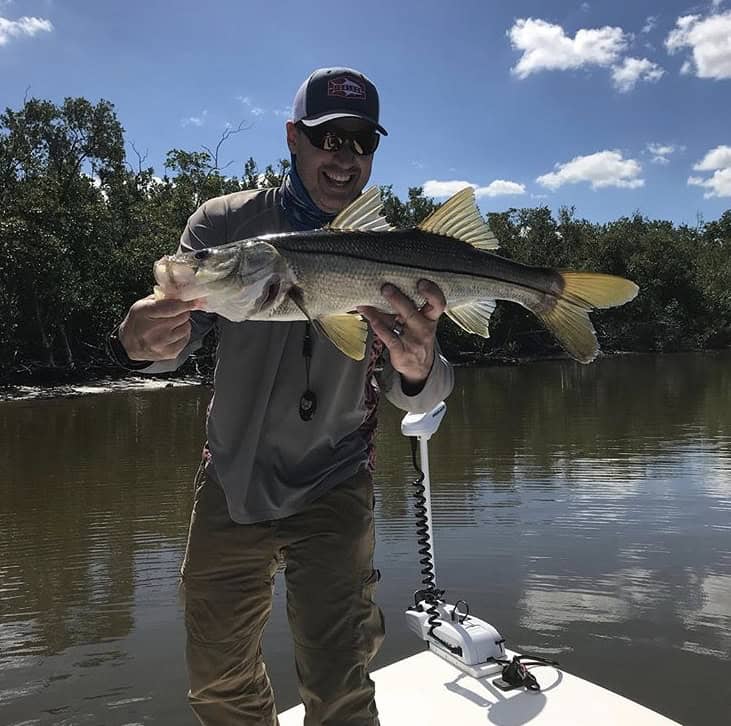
x=576 y=507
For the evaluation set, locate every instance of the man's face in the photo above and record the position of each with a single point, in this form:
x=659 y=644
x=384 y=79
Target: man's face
x=333 y=179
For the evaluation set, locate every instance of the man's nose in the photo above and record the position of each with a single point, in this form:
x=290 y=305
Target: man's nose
x=345 y=153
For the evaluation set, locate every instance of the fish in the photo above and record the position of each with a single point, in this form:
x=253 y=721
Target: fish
x=323 y=275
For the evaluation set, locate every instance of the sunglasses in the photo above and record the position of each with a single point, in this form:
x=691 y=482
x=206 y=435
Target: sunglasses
x=329 y=138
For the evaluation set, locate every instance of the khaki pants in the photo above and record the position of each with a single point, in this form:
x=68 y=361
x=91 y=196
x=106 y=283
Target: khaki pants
x=228 y=580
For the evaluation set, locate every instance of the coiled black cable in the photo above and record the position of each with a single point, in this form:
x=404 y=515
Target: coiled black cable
x=430 y=593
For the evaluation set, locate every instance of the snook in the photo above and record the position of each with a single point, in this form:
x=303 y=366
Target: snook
x=323 y=275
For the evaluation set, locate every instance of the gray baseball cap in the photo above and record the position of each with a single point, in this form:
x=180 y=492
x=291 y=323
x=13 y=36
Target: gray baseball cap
x=330 y=93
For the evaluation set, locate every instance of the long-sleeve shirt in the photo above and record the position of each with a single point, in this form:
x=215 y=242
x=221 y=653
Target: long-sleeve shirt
x=269 y=461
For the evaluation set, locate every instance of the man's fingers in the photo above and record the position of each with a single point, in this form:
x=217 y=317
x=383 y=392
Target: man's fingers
x=374 y=315
x=381 y=323
x=399 y=302
x=174 y=321
x=436 y=303
x=181 y=331
x=384 y=330
x=170 y=308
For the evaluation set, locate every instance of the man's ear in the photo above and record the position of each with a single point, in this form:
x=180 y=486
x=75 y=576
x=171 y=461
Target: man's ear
x=292 y=137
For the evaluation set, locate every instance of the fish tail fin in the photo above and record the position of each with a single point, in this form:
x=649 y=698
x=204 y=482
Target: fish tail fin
x=568 y=317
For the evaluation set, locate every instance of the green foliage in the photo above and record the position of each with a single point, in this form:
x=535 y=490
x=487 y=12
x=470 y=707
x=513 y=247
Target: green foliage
x=406 y=214
x=80 y=228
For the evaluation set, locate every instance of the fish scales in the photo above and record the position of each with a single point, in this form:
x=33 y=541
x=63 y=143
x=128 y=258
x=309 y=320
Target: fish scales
x=434 y=252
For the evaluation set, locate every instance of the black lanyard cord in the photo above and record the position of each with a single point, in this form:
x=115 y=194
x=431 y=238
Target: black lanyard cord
x=308 y=401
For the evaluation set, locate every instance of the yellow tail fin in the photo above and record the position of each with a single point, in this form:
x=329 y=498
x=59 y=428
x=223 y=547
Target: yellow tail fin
x=569 y=320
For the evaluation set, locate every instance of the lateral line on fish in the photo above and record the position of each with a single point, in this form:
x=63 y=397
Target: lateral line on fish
x=472 y=255
x=440 y=270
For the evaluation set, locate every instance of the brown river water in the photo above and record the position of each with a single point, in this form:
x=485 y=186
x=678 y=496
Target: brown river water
x=585 y=511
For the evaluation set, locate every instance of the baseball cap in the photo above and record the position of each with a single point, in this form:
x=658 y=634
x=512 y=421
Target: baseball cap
x=330 y=93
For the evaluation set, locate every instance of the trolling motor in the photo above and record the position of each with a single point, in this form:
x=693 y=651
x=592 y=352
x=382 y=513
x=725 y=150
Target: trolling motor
x=470 y=644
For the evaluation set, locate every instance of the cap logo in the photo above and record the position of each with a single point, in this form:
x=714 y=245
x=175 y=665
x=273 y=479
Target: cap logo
x=345 y=87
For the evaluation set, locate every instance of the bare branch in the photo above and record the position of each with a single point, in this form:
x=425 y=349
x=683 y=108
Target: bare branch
x=227 y=134
x=140 y=157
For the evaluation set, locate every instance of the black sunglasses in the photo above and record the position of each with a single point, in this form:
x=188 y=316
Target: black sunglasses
x=329 y=138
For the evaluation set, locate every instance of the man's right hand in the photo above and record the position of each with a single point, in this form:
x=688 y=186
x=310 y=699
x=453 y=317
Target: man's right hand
x=156 y=329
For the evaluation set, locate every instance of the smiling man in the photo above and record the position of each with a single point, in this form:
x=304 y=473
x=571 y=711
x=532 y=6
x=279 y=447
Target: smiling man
x=286 y=472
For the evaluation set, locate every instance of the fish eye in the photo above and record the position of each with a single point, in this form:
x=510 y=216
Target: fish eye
x=202 y=254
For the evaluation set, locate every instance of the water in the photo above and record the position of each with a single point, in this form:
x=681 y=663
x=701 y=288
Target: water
x=584 y=511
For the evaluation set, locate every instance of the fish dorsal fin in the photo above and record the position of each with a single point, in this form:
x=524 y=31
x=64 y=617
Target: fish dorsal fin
x=473 y=317
x=348 y=333
x=363 y=215
x=460 y=218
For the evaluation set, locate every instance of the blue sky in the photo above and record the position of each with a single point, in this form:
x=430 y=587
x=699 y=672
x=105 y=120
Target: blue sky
x=610 y=107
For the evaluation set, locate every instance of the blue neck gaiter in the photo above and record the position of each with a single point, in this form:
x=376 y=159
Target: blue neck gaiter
x=301 y=212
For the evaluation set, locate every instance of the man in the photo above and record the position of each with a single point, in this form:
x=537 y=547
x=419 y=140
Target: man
x=286 y=470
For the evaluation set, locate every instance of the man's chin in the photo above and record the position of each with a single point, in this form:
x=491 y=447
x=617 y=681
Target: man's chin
x=334 y=201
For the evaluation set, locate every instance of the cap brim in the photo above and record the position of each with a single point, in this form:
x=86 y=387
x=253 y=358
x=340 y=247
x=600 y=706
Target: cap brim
x=332 y=116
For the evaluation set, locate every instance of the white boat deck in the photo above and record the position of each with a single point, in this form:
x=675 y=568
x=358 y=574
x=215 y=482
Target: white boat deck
x=426 y=690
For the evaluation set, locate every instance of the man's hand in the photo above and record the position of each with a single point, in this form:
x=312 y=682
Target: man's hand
x=156 y=329
x=409 y=335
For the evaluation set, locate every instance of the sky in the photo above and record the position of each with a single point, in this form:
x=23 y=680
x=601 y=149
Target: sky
x=612 y=108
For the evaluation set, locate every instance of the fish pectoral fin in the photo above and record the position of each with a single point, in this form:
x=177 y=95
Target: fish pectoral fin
x=363 y=215
x=473 y=317
x=348 y=333
x=460 y=218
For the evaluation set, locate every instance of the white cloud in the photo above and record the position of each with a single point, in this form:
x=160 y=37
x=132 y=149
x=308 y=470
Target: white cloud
x=194 y=120
x=546 y=46
x=719 y=185
x=718 y=158
x=661 y=152
x=650 y=23
x=499 y=187
x=718 y=161
x=434 y=188
x=24 y=26
x=286 y=111
x=632 y=70
x=709 y=40
x=603 y=169
x=253 y=110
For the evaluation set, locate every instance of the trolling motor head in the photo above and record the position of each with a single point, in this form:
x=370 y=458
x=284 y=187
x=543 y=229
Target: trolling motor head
x=423 y=424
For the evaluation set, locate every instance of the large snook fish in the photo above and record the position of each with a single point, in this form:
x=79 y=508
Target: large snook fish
x=323 y=275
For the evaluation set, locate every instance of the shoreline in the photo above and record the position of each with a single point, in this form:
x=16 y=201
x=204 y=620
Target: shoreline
x=42 y=386
x=95 y=385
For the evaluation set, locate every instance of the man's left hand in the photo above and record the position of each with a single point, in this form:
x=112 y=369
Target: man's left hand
x=409 y=334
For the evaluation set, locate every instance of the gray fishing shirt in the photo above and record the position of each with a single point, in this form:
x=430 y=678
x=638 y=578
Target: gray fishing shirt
x=269 y=462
